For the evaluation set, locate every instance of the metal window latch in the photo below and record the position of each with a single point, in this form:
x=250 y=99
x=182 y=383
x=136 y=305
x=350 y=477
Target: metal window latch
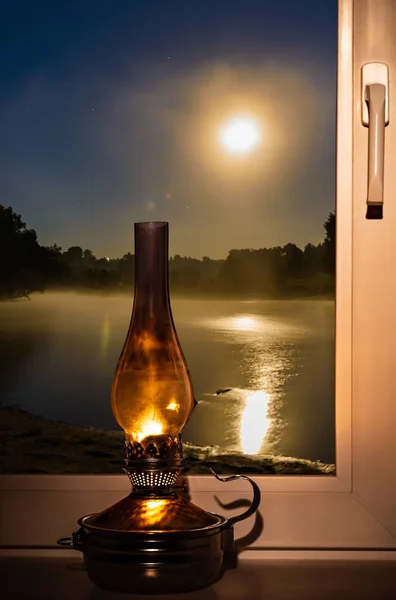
x=375 y=116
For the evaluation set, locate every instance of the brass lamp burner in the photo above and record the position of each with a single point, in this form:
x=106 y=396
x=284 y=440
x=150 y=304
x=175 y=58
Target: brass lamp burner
x=154 y=464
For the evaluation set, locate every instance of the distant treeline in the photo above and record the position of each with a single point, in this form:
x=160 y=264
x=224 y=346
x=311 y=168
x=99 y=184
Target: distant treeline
x=281 y=271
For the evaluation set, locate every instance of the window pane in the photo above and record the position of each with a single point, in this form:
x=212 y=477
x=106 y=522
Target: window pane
x=218 y=117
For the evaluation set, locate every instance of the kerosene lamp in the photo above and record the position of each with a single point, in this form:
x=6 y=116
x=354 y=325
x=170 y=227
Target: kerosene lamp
x=154 y=540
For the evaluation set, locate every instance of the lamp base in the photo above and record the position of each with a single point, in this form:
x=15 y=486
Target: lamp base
x=147 y=544
x=154 y=563
x=152 y=545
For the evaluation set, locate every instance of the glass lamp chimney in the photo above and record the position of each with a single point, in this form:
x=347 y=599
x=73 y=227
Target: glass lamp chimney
x=152 y=395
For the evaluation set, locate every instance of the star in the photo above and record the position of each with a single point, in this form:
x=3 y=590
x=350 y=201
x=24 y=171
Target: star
x=150 y=205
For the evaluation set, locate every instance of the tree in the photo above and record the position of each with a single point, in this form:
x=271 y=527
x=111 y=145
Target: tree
x=293 y=260
x=22 y=260
x=73 y=255
x=330 y=243
x=55 y=249
x=313 y=259
x=88 y=256
x=190 y=277
x=126 y=269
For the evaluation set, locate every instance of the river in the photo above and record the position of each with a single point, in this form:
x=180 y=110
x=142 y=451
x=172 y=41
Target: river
x=59 y=351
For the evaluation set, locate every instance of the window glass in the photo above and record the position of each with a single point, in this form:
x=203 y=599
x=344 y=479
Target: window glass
x=219 y=117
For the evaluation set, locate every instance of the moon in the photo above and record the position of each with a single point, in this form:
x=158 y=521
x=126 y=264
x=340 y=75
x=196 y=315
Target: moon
x=240 y=135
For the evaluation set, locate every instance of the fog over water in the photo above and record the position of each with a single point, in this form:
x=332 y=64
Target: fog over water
x=59 y=351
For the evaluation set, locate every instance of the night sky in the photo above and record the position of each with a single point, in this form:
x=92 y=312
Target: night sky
x=110 y=113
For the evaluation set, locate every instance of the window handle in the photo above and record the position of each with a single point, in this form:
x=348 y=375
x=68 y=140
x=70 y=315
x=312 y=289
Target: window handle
x=375 y=115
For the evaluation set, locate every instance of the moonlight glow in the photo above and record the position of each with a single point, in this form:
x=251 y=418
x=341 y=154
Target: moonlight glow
x=240 y=135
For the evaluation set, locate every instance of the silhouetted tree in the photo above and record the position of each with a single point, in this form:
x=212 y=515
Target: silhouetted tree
x=73 y=255
x=330 y=243
x=126 y=269
x=22 y=260
x=55 y=249
x=88 y=256
x=286 y=271
x=191 y=277
x=292 y=260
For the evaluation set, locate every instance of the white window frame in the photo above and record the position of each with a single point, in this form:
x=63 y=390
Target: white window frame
x=353 y=511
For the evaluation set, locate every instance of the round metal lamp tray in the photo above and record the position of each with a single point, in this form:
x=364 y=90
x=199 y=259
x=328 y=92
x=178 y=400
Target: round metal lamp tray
x=156 y=545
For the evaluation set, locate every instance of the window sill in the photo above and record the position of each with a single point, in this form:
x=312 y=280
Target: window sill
x=64 y=578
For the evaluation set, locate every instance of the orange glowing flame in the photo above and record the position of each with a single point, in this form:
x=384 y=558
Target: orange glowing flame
x=173 y=405
x=147 y=427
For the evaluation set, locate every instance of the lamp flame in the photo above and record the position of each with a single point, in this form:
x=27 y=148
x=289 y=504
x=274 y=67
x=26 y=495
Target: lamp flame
x=146 y=428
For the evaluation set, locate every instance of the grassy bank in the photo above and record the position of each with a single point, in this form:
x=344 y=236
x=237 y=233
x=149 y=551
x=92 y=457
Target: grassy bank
x=32 y=444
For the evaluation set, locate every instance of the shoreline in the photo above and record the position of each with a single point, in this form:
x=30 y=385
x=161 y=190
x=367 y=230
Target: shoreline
x=129 y=292
x=31 y=444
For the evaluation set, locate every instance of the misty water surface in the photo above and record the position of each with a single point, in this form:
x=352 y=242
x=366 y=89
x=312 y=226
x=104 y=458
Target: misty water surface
x=59 y=352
